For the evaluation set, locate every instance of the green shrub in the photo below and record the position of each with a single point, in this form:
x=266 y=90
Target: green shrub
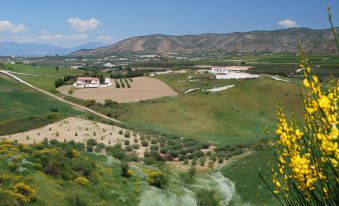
x=144 y=143
x=163 y=150
x=125 y=171
x=116 y=152
x=136 y=146
x=89 y=102
x=127 y=134
x=126 y=142
x=157 y=179
x=129 y=148
x=202 y=161
x=206 y=197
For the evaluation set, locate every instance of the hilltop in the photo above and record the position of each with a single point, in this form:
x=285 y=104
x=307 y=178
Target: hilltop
x=278 y=41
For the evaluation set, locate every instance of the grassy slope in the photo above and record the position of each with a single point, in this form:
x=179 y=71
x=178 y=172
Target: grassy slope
x=244 y=173
x=27 y=108
x=111 y=189
x=237 y=115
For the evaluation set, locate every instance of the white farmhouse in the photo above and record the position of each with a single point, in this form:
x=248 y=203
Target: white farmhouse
x=236 y=75
x=232 y=72
x=87 y=82
x=219 y=70
x=109 y=65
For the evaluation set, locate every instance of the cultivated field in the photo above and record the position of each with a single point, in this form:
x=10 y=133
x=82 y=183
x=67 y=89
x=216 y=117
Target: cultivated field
x=76 y=129
x=142 y=88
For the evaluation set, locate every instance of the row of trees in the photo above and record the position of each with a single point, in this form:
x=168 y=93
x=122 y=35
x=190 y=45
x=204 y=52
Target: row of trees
x=61 y=81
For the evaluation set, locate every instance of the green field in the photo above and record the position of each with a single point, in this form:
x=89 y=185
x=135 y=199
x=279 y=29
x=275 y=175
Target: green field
x=48 y=74
x=27 y=109
x=245 y=174
x=235 y=116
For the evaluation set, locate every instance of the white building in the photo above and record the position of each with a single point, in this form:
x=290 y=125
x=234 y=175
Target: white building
x=219 y=70
x=236 y=75
x=91 y=82
x=226 y=69
x=107 y=83
x=75 y=67
x=87 y=82
x=109 y=65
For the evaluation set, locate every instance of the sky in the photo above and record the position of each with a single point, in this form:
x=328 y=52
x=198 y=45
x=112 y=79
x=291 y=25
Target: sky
x=69 y=23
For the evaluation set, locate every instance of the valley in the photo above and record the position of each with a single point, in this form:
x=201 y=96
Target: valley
x=169 y=103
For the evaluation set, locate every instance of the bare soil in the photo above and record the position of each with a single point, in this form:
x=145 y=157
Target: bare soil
x=142 y=88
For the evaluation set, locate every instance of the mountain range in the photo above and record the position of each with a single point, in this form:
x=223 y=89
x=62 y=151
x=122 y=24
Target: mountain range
x=277 y=41
x=38 y=50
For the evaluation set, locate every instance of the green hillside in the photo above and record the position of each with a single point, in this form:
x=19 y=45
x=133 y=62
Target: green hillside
x=233 y=116
x=27 y=109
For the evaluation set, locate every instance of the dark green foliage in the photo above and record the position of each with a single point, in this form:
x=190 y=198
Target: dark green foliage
x=206 y=197
x=126 y=142
x=89 y=102
x=127 y=134
x=54 y=109
x=124 y=169
x=116 y=152
x=136 y=146
x=144 y=143
x=128 y=148
x=91 y=142
x=109 y=103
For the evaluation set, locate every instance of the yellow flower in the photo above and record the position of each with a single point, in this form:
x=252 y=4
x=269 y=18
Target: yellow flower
x=306 y=83
x=324 y=102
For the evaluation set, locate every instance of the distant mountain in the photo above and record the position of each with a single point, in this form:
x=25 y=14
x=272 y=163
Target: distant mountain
x=36 y=50
x=278 y=41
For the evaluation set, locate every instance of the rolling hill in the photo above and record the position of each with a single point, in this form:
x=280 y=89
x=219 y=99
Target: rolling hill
x=278 y=41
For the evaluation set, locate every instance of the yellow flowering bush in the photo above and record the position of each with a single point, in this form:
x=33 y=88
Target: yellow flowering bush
x=81 y=181
x=157 y=179
x=22 y=192
x=308 y=154
x=7 y=148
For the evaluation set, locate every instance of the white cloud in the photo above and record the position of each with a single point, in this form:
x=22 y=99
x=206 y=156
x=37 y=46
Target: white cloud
x=62 y=40
x=17 y=38
x=6 y=26
x=59 y=37
x=44 y=31
x=105 y=39
x=287 y=23
x=82 y=24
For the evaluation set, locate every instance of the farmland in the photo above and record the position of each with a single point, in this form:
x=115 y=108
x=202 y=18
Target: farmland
x=142 y=88
x=215 y=132
x=27 y=108
x=45 y=76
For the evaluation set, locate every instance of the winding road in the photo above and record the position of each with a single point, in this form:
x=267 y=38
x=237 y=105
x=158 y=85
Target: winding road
x=78 y=106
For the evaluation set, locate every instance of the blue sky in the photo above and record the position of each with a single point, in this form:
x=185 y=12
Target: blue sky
x=69 y=23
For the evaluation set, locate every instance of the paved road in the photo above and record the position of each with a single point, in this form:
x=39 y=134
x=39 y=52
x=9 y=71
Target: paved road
x=81 y=107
